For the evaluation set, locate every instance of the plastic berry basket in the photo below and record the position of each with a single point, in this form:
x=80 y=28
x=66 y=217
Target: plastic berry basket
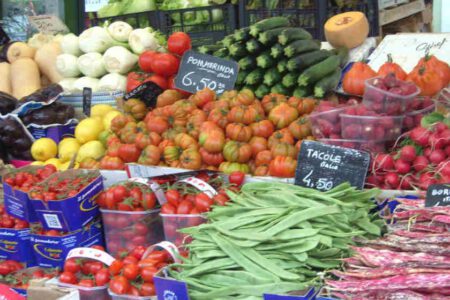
x=384 y=102
x=369 y=146
x=371 y=128
x=412 y=119
x=129 y=297
x=327 y=123
x=86 y=293
x=173 y=223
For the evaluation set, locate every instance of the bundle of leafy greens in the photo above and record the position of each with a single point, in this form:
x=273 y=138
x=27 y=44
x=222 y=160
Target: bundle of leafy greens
x=123 y=7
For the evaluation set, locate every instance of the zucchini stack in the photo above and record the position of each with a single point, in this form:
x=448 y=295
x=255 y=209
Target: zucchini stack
x=276 y=58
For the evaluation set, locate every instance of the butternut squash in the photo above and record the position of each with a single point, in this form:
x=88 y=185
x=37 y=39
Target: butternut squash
x=349 y=29
x=25 y=77
x=5 y=78
x=46 y=59
x=19 y=50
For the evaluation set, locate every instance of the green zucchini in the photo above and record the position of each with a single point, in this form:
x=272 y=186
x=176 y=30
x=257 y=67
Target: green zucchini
x=242 y=74
x=272 y=77
x=327 y=83
x=280 y=89
x=318 y=71
x=237 y=50
x=343 y=53
x=254 y=47
x=293 y=34
x=247 y=62
x=265 y=61
x=303 y=91
x=261 y=91
x=303 y=61
x=277 y=51
x=209 y=49
x=254 y=77
x=228 y=40
x=289 y=80
x=282 y=66
x=270 y=37
x=222 y=52
x=301 y=46
x=268 y=24
x=242 y=34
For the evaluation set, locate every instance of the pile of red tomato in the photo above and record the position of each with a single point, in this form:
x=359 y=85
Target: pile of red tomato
x=8 y=221
x=25 y=180
x=158 y=67
x=128 y=196
x=9 y=266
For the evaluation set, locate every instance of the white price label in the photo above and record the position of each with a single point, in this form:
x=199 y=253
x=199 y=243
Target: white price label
x=48 y=24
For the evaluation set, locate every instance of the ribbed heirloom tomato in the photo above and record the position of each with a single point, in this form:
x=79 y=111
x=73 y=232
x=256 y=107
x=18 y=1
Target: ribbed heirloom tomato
x=263 y=128
x=212 y=140
x=237 y=152
x=282 y=115
x=238 y=132
x=282 y=166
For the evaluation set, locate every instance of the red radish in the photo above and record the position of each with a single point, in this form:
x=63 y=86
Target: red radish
x=420 y=163
x=372 y=180
x=437 y=156
x=407 y=182
x=427 y=152
x=440 y=126
x=445 y=135
x=436 y=141
x=420 y=135
x=408 y=153
x=443 y=168
x=425 y=180
x=384 y=162
x=402 y=166
x=447 y=150
x=392 y=180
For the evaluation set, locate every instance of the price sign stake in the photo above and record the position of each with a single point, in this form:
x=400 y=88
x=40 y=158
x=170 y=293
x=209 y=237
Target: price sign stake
x=87 y=100
x=438 y=195
x=199 y=71
x=323 y=167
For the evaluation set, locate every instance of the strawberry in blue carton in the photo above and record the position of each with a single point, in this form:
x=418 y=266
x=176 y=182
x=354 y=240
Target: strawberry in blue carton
x=66 y=201
x=16 y=185
x=51 y=247
x=15 y=239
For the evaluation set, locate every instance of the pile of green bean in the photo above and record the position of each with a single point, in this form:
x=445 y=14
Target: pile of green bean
x=274 y=238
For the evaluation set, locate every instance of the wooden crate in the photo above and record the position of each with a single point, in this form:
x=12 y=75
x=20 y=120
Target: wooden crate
x=383 y=4
x=394 y=14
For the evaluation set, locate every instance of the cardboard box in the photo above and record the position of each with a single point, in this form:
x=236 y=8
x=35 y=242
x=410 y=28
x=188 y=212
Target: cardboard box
x=51 y=251
x=15 y=244
x=72 y=213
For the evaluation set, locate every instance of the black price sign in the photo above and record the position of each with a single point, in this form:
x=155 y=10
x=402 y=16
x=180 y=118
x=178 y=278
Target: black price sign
x=323 y=167
x=199 y=71
x=4 y=38
x=438 y=195
x=87 y=101
x=148 y=92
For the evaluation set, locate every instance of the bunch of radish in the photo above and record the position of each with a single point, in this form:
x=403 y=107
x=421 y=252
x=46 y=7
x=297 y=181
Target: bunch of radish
x=421 y=159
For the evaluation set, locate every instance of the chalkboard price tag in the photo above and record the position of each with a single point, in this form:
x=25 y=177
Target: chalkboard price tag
x=148 y=92
x=4 y=38
x=87 y=101
x=323 y=167
x=438 y=195
x=48 y=24
x=199 y=71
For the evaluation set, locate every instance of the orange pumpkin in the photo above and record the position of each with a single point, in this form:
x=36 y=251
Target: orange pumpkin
x=427 y=80
x=438 y=66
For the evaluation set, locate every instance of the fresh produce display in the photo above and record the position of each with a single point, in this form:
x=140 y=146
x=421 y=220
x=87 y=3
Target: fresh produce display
x=21 y=278
x=85 y=272
x=265 y=48
x=9 y=266
x=419 y=160
x=132 y=274
x=233 y=132
x=101 y=57
x=25 y=180
x=56 y=188
x=275 y=238
x=411 y=262
x=430 y=75
x=15 y=138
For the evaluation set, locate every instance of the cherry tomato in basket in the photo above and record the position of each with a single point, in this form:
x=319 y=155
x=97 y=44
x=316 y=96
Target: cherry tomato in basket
x=140 y=229
x=173 y=197
x=95 y=267
x=221 y=199
x=147 y=274
x=71 y=265
x=119 y=285
x=68 y=277
x=203 y=202
x=168 y=208
x=102 y=277
x=86 y=283
x=116 y=267
x=98 y=247
x=138 y=252
x=158 y=255
x=120 y=193
x=5 y=269
x=237 y=178
x=148 y=200
x=147 y=289
x=130 y=260
x=178 y=43
x=139 y=240
x=131 y=271
x=184 y=207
